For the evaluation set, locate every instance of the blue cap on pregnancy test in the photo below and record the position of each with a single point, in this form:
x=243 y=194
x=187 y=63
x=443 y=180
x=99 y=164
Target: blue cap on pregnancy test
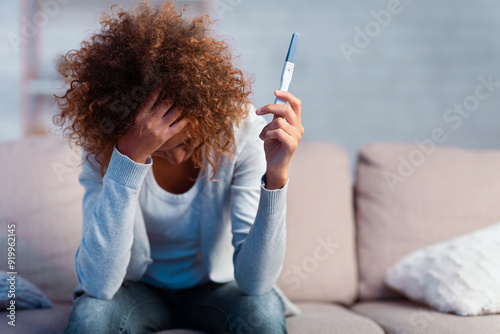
x=292 y=50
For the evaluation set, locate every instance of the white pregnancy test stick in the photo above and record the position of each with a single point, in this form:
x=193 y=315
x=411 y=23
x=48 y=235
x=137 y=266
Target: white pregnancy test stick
x=286 y=75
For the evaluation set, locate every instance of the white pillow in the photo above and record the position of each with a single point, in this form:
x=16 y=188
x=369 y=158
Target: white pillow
x=459 y=276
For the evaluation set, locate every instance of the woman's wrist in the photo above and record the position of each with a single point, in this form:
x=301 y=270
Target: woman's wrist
x=276 y=180
x=131 y=155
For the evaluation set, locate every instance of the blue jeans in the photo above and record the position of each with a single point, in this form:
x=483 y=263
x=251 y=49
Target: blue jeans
x=211 y=307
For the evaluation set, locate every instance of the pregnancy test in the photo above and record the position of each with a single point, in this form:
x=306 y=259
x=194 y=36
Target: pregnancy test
x=286 y=75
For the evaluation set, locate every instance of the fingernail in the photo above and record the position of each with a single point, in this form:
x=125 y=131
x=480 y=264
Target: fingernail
x=279 y=92
x=258 y=111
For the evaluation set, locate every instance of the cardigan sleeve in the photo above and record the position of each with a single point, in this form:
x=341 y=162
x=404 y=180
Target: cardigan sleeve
x=110 y=205
x=258 y=218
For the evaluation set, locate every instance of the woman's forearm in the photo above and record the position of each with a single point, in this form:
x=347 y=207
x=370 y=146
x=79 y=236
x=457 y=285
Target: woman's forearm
x=259 y=258
x=109 y=208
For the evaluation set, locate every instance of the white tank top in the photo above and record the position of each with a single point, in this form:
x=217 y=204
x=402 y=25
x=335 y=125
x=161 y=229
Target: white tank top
x=173 y=227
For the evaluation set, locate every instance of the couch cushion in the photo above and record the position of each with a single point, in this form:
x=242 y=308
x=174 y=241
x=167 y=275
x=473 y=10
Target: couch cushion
x=40 y=321
x=321 y=318
x=397 y=317
x=320 y=262
x=41 y=195
x=407 y=199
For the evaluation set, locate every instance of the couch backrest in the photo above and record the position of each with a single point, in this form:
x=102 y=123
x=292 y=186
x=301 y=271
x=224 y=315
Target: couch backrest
x=40 y=194
x=320 y=261
x=408 y=197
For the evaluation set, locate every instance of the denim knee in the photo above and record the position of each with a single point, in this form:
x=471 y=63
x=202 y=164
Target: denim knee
x=92 y=315
x=261 y=314
x=135 y=308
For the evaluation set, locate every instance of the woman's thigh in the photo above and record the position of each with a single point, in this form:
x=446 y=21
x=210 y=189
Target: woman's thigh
x=135 y=308
x=223 y=308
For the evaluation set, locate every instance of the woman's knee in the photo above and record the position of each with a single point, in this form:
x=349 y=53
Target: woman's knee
x=92 y=315
x=135 y=308
x=260 y=314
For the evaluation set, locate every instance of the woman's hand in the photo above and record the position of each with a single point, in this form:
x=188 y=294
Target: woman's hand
x=152 y=128
x=281 y=137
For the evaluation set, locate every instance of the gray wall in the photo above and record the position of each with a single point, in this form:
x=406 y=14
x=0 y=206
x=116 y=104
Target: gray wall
x=10 y=79
x=399 y=87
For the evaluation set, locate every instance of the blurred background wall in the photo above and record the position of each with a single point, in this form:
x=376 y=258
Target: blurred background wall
x=366 y=70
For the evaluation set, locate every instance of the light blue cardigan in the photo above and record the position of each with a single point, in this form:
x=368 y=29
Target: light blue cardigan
x=243 y=225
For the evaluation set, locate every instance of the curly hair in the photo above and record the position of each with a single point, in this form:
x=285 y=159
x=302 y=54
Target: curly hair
x=133 y=53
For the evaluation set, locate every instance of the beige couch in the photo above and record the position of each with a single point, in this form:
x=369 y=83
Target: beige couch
x=335 y=263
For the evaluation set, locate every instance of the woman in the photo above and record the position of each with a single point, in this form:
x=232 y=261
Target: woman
x=185 y=184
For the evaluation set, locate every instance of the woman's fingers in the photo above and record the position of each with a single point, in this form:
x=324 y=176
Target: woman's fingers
x=164 y=114
x=177 y=127
x=150 y=100
x=279 y=129
x=280 y=123
x=290 y=112
x=167 y=112
x=288 y=142
x=295 y=102
x=152 y=127
x=161 y=109
x=279 y=110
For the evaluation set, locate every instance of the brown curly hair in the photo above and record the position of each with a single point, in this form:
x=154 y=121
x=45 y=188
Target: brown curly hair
x=134 y=52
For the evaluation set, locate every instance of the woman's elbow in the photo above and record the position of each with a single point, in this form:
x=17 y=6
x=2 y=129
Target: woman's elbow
x=253 y=288
x=98 y=287
x=99 y=291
